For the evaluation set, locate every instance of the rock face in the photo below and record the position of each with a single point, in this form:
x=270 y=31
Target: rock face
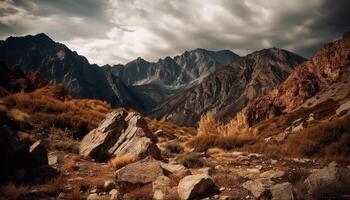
x=325 y=181
x=138 y=174
x=326 y=67
x=121 y=133
x=162 y=189
x=155 y=82
x=228 y=90
x=195 y=186
x=59 y=64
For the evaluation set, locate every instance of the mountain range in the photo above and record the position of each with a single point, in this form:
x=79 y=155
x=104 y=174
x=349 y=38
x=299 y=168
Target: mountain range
x=140 y=85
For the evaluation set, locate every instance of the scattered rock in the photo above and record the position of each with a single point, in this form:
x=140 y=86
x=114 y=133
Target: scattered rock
x=38 y=154
x=120 y=133
x=162 y=189
x=272 y=174
x=195 y=186
x=345 y=106
x=172 y=168
x=283 y=191
x=114 y=194
x=256 y=187
x=330 y=177
x=138 y=174
x=53 y=160
x=108 y=185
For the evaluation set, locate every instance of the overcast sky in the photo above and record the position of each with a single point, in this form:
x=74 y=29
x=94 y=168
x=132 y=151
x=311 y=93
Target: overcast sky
x=117 y=31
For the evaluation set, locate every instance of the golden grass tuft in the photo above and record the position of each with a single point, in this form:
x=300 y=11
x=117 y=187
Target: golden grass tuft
x=121 y=161
x=18 y=115
x=78 y=116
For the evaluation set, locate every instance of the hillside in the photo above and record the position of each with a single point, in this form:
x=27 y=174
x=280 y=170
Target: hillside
x=227 y=91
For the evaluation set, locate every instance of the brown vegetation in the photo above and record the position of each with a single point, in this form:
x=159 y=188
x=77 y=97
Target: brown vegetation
x=120 y=161
x=78 y=116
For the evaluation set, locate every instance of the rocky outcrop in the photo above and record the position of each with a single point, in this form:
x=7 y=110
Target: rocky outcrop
x=195 y=186
x=138 y=174
x=326 y=67
x=121 y=133
x=328 y=182
x=228 y=90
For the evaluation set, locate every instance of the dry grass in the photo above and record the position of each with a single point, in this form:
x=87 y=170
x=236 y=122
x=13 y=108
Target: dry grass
x=70 y=163
x=214 y=134
x=169 y=127
x=121 y=161
x=204 y=142
x=12 y=191
x=78 y=116
x=18 y=115
x=65 y=144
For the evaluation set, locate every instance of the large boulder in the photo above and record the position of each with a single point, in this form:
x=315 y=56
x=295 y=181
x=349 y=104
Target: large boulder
x=120 y=133
x=196 y=186
x=282 y=191
x=162 y=189
x=328 y=182
x=138 y=174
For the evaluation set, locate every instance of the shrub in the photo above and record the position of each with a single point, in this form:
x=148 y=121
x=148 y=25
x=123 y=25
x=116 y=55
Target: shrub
x=121 y=161
x=208 y=125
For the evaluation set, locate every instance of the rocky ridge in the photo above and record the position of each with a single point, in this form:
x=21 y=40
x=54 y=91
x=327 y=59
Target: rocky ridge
x=228 y=90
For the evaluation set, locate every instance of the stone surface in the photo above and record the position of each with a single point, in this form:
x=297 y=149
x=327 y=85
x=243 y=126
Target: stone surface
x=331 y=176
x=272 y=174
x=282 y=191
x=256 y=187
x=120 y=133
x=137 y=174
x=162 y=189
x=195 y=186
x=114 y=194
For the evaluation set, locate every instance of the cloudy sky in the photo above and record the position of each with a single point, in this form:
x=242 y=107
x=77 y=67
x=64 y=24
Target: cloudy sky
x=117 y=31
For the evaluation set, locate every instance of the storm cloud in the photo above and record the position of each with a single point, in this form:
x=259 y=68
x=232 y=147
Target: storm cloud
x=117 y=31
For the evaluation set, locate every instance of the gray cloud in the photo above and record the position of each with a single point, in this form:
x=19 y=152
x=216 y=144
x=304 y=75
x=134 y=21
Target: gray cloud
x=117 y=31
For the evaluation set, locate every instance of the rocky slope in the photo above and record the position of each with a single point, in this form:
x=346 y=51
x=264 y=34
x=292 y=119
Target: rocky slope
x=155 y=82
x=329 y=66
x=228 y=90
x=59 y=64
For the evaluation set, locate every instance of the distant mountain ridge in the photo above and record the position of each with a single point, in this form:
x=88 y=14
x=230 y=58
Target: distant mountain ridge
x=154 y=82
x=228 y=90
x=140 y=84
x=59 y=64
